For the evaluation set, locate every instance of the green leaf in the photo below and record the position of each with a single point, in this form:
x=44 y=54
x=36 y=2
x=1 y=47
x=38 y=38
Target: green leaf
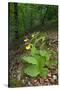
x=32 y=70
x=45 y=53
x=41 y=60
x=30 y=59
x=34 y=50
x=43 y=72
x=51 y=63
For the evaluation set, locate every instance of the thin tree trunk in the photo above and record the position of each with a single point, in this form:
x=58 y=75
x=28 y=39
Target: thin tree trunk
x=16 y=25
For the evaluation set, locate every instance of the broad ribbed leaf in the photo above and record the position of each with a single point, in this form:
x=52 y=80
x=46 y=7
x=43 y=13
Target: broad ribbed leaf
x=30 y=59
x=45 y=53
x=41 y=60
x=32 y=70
x=43 y=72
x=34 y=51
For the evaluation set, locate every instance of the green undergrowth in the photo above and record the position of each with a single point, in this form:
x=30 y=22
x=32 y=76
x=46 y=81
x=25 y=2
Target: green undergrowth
x=40 y=59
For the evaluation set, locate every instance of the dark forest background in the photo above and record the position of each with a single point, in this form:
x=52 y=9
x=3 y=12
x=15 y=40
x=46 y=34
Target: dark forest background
x=25 y=18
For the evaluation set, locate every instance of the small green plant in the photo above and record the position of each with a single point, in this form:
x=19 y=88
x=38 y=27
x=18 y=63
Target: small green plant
x=39 y=59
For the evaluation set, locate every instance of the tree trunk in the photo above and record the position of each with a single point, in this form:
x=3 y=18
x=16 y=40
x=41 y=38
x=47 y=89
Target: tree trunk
x=16 y=25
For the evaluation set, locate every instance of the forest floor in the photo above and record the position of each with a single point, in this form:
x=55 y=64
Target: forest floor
x=17 y=80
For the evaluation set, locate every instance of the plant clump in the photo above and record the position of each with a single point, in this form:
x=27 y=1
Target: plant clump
x=39 y=59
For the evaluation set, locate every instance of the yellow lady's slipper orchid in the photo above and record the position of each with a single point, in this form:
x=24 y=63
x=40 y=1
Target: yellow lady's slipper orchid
x=28 y=47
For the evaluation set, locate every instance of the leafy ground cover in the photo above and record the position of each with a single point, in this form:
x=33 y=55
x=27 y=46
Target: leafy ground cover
x=32 y=77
